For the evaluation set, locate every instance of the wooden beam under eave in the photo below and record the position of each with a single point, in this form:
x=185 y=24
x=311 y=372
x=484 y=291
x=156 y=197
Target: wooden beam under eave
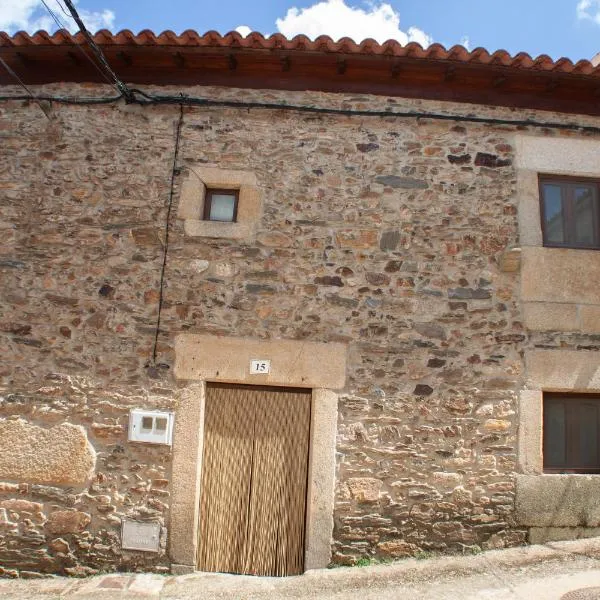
x=75 y=58
x=179 y=60
x=25 y=59
x=126 y=58
x=450 y=73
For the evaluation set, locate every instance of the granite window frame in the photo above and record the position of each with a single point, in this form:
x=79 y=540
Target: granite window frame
x=554 y=505
x=558 y=284
x=197 y=180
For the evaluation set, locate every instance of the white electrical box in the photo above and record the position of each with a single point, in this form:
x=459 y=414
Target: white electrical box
x=151 y=426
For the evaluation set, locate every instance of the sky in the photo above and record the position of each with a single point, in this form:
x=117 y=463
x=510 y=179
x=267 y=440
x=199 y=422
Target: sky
x=569 y=28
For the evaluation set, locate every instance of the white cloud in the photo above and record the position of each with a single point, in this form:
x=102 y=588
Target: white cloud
x=589 y=10
x=466 y=42
x=337 y=19
x=243 y=30
x=14 y=14
x=95 y=20
x=30 y=15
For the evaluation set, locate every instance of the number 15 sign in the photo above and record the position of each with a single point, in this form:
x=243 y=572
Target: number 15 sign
x=260 y=367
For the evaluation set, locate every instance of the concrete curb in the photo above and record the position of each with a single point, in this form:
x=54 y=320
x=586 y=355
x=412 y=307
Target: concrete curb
x=411 y=570
x=573 y=557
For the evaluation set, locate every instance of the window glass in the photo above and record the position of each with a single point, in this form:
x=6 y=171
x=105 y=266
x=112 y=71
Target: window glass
x=570 y=435
x=222 y=207
x=554 y=434
x=553 y=213
x=588 y=442
x=583 y=215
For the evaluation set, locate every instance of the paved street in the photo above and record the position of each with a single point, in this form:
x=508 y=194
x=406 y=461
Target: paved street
x=562 y=570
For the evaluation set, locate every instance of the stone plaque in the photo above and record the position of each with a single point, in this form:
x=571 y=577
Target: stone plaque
x=140 y=536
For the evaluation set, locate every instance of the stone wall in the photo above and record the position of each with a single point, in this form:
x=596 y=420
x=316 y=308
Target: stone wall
x=384 y=234
x=81 y=202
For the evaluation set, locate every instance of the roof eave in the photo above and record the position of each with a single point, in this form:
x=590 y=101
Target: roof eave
x=299 y=64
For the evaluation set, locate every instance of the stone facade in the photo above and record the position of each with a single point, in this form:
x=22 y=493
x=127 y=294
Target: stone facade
x=392 y=236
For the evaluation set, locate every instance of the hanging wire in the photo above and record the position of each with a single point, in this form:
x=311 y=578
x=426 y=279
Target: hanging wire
x=154 y=100
x=122 y=87
x=62 y=8
x=174 y=172
x=61 y=25
x=31 y=95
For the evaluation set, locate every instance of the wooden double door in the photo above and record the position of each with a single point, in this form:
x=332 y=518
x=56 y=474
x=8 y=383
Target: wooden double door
x=254 y=480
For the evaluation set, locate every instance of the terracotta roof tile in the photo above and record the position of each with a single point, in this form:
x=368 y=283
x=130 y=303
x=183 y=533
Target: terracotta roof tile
x=301 y=43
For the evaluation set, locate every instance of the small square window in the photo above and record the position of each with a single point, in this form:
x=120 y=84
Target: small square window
x=571 y=434
x=570 y=212
x=221 y=205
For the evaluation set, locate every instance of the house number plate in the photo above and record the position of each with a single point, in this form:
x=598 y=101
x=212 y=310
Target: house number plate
x=260 y=367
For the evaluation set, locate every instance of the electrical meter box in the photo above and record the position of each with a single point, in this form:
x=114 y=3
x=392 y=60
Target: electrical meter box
x=151 y=426
x=140 y=536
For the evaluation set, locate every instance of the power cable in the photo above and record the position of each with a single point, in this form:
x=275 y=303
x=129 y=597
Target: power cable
x=174 y=172
x=62 y=8
x=122 y=87
x=59 y=24
x=152 y=100
x=194 y=101
x=31 y=95
x=68 y=101
x=62 y=26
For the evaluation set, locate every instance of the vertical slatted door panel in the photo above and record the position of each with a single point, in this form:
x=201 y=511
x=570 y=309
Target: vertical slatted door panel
x=275 y=543
x=226 y=477
x=253 y=497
